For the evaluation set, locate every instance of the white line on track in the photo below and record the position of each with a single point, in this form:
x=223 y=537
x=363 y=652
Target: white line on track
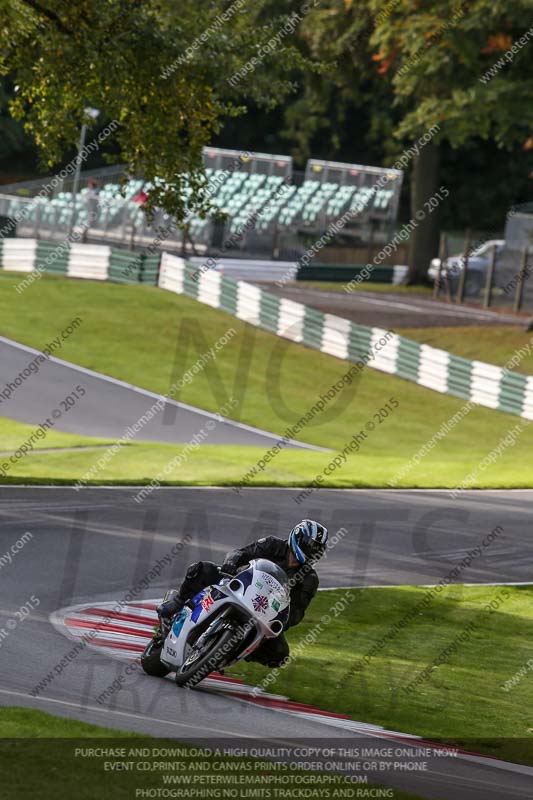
x=482 y=760
x=153 y=395
x=45 y=450
x=141 y=717
x=363 y=729
x=344 y=490
x=421 y=585
x=432 y=307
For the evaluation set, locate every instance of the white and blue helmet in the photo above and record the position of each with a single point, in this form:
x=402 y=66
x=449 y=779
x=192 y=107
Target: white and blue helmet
x=308 y=539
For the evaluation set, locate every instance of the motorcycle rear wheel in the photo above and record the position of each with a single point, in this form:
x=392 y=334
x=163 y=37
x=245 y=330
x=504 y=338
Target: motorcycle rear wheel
x=150 y=661
x=218 y=654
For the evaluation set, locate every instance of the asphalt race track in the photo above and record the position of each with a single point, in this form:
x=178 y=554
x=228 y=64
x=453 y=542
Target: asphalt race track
x=96 y=544
x=388 y=310
x=109 y=406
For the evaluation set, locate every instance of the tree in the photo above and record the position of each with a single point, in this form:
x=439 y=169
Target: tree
x=444 y=61
x=13 y=139
x=164 y=74
x=344 y=111
x=399 y=69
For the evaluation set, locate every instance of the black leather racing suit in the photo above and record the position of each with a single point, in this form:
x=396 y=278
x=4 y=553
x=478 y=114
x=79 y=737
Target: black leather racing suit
x=303 y=581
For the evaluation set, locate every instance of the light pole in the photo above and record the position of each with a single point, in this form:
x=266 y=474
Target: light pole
x=92 y=113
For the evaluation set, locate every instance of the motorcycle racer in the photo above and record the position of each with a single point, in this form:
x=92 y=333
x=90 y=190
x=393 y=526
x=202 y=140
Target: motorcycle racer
x=296 y=556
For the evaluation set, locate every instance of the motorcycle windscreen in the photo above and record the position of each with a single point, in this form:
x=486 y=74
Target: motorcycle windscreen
x=271 y=590
x=269 y=568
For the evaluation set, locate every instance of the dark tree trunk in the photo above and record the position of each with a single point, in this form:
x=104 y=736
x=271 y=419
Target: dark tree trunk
x=424 y=241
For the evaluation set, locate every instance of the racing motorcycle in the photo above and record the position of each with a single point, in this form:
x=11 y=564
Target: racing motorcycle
x=221 y=625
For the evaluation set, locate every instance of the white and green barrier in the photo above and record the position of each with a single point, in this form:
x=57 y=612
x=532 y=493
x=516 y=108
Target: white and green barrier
x=76 y=260
x=435 y=369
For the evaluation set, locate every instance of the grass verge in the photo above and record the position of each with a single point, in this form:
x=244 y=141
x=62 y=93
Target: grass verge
x=226 y=465
x=46 y=765
x=463 y=700
x=13 y=434
x=150 y=338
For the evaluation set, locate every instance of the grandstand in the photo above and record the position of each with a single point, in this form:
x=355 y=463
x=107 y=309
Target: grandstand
x=264 y=206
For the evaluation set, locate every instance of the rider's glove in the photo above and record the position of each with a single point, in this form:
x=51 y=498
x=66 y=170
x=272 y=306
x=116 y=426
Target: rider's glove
x=229 y=567
x=169 y=608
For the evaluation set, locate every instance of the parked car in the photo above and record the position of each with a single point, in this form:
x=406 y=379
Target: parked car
x=478 y=264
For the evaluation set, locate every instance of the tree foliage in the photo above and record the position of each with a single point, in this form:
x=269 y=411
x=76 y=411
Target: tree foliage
x=345 y=110
x=462 y=65
x=159 y=69
x=436 y=55
x=13 y=139
x=390 y=70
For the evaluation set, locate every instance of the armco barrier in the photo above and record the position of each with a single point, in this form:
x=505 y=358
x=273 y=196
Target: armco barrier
x=129 y=267
x=52 y=258
x=76 y=260
x=435 y=369
x=19 y=255
x=89 y=261
x=343 y=273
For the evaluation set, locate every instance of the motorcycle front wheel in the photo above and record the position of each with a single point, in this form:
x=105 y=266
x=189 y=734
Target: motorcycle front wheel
x=200 y=662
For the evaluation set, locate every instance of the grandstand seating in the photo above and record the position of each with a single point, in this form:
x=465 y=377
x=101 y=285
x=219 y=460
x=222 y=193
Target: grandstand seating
x=257 y=197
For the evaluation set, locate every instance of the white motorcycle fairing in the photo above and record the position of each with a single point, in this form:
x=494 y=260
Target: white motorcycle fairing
x=258 y=597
